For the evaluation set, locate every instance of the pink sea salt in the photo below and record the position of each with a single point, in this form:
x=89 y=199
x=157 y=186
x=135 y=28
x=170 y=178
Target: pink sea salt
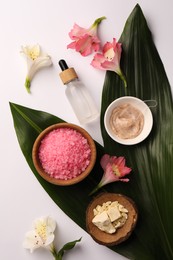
x=64 y=153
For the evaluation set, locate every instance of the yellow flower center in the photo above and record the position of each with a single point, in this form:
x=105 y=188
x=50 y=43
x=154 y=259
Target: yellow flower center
x=33 y=55
x=33 y=52
x=116 y=170
x=109 y=55
x=41 y=230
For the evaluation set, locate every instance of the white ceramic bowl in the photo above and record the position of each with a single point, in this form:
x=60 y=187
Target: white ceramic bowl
x=137 y=103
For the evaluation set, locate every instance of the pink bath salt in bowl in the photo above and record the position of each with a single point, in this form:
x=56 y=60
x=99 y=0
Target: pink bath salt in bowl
x=64 y=154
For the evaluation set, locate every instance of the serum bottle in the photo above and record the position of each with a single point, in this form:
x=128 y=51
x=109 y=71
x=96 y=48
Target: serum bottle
x=77 y=94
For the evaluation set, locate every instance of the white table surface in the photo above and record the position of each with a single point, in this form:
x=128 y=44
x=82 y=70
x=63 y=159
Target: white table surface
x=22 y=199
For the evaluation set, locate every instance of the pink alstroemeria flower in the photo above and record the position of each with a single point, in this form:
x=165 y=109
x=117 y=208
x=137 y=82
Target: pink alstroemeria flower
x=109 y=59
x=114 y=170
x=85 y=41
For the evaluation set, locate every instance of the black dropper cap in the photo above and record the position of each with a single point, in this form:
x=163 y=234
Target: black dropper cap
x=67 y=74
x=63 y=65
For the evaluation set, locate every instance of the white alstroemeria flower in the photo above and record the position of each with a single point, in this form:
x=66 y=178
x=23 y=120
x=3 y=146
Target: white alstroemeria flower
x=35 y=61
x=42 y=234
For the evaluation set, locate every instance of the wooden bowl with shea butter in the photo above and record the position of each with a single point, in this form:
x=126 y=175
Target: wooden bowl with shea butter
x=39 y=165
x=122 y=233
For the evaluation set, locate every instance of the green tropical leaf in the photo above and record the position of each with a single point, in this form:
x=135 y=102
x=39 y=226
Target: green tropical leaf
x=28 y=124
x=151 y=182
x=67 y=247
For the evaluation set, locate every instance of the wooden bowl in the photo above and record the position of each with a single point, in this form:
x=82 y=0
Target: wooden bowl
x=39 y=167
x=121 y=233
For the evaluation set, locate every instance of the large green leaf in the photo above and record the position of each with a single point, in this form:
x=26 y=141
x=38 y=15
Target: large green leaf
x=151 y=182
x=28 y=124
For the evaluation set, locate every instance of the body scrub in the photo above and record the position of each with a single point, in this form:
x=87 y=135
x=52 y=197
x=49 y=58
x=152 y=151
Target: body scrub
x=64 y=153
x=126 y=121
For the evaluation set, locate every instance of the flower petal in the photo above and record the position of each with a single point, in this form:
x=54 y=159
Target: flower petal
x=32 y=241
x=124 y=180
x=104 y=161
x=49 y=239
x=97 y=61
x=120 y=161
x=71 y=45
x=114 y=170
x=39 y=63
x=51 y=224
x=85 y=40
x=84 y=45
x=77 y=32
x=109 y=59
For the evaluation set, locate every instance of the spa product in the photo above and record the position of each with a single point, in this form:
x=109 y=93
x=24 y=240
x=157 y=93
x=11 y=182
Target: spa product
x=77 y=94
x=102 y=203
x=64 y=153
x=126 y=121
x=109 y=216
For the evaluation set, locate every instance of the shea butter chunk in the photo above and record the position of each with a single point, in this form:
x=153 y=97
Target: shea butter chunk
x=113 y=213
x=109 y=216
x=103 y=222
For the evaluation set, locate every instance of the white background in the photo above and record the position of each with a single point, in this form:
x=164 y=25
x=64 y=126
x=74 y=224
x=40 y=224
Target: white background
x=22 y=199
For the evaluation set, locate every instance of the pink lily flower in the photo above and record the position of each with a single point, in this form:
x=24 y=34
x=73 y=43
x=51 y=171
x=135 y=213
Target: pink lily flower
x=109 y=59
x=114 y=170
x=85 y=41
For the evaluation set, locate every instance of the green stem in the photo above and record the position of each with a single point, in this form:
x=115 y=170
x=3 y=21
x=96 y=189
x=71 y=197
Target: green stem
x=27 y=85
x=95 y=189
x=98 y=21
x=54 y=252
x=123 y=79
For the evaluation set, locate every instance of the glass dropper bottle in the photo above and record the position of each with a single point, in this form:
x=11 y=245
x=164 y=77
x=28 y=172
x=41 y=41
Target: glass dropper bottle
x=78 y=95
